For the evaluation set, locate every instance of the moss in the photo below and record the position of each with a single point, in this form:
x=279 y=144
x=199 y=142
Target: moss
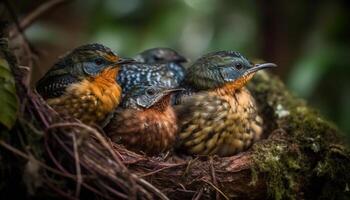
x=281 y=166
x=333 y=171
x=303 y=153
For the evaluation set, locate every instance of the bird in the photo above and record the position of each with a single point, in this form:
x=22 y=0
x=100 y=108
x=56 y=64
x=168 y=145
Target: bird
x=145 y=121
x=217 y=115
x=160 y=55
x=82 y=85
x=157 y=66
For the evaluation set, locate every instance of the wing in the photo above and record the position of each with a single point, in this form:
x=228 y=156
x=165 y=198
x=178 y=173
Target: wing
x=54 y=86
x=55 y=81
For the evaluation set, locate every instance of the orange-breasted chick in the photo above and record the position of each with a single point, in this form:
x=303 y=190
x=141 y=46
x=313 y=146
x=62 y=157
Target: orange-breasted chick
x=217 y=114
x=146 y=120
x=82 y=83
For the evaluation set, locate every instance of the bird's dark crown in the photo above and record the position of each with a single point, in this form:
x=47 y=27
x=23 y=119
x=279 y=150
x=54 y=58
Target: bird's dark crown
x=160 y=55
x=91 y=52
x=215 y=69
x=86 y=60
x=93 y=47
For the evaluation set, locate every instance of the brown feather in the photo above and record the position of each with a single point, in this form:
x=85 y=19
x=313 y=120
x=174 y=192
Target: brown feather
x=150 y=130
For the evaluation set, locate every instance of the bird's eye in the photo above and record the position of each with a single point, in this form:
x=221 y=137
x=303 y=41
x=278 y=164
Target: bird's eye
x=150 y=92
x=238 y=66
x=99 y=61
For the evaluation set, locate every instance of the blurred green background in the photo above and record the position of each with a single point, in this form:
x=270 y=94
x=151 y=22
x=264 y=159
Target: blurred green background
x=309 y=40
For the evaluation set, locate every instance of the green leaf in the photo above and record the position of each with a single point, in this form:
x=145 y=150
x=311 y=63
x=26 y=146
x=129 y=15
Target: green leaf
x=8 y=97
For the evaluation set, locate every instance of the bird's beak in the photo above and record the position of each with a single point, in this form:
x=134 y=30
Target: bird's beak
x=258 y=67
x=173 y=90
x=165 y=93
x=180 y=59
x=125 y=61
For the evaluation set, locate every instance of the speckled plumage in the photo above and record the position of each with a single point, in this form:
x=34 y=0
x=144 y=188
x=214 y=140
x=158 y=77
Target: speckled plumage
x=135 y=74
x=82 y=83
x=146 y=121
x=160 y=55
x=157 y=66
x=217 y=114
x=222 y=125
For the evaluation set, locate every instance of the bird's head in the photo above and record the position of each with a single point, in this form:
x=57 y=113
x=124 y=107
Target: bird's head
x=145 y=96
x=160 y=55
x=87 y=61
x=220 y=68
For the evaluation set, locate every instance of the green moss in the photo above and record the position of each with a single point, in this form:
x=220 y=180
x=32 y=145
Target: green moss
x=333 y=170
x=298 y=158
x=280 y=166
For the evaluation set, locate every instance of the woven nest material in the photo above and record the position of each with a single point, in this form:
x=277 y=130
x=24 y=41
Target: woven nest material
x=72 y=160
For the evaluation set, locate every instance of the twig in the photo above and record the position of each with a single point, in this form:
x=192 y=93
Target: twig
x=65 y=174
x=118 y=154
x=151 y=188
x=30 y=126
x=181 y=185
x=26 y=44
x=74 y=155
x=145 y=194
x=93 y=167
x=52 y=157
x=77 y=167
x=94 y=190
x=189 y=166
x=119 y=164
x=198 y=195
x=96 y=134
x=217 y=189
x=161 y=169
x=60 y=192
x=37 y=107
x=25 y=156
x=34 y=15
x=212 y=170
x=113 y=191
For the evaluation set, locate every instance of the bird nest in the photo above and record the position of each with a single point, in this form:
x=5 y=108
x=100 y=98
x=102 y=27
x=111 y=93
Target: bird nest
x=69 y=159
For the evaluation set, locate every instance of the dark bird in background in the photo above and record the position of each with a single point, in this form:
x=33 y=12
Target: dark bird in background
x=161 y=55
x=216 y=113
x=146 y=121
x=82 y=83
x=157 y=66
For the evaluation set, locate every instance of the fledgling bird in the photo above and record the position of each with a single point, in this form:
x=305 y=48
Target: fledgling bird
x=160 y=55
x=157 y=66
x=82 y=83
x=146 y=121
x=217 y=114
